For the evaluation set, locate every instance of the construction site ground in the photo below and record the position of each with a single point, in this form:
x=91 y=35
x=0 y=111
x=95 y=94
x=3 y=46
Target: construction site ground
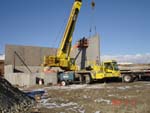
x=110 y=97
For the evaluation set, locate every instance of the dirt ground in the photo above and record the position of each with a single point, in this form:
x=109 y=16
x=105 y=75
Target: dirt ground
x=96 y=98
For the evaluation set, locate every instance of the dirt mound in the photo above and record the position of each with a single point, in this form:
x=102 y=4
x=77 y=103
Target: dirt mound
x=12 y=100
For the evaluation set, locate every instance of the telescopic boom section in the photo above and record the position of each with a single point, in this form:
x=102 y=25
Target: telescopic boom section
x=62 y=59
x=65 y=46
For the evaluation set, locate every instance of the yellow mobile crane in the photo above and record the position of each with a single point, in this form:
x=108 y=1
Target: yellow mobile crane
x=62 y=59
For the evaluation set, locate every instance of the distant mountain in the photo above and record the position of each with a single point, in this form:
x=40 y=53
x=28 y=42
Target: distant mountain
x=135 y=59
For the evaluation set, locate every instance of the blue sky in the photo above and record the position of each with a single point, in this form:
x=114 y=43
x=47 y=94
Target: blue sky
x=123 y=25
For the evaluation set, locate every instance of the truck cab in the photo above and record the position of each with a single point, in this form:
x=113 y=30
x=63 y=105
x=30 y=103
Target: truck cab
x=107 y=69
x=111 y=68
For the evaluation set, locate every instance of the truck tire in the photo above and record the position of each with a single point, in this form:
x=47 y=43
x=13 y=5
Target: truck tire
x=81 y=79
x=87 y=79
x=127 y=78
x=63 y=83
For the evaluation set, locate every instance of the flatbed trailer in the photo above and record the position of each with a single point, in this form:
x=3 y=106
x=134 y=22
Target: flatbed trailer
x=130 y=73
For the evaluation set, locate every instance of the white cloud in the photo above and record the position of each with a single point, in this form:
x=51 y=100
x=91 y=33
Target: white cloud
x=138 y=58
x=2 y=57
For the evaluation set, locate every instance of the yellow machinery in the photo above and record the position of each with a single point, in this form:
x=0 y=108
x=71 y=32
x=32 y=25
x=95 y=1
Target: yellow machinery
x=62 y=59
x=107 y=69
x=95 y=70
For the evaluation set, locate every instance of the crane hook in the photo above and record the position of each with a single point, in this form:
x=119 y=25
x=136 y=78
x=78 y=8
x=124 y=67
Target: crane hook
x=93 y=4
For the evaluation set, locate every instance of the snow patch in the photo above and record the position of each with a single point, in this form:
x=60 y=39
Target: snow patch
x=78 y=86
x=51 y=103
x=68 y=104
x=67 y=87
x=137 y=86
x=44 y=101
x=98 y=112
x=102 y=101
x=98 y=86
x=124 y=87
x=86 y=97
x=113 y=95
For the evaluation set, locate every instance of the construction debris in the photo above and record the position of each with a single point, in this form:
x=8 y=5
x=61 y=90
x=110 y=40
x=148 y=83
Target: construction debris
x=12 y=100
x=35 y=94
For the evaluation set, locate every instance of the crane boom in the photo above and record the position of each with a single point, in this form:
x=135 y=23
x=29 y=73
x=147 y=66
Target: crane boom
x=65 y=46
x=62 y=59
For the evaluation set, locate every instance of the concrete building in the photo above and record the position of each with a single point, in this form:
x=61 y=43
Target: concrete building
x=31 y=55
x=2 y=58
x=23 y=63
x=1 y=67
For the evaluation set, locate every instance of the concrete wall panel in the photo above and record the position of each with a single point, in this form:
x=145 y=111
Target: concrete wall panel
x=24 y=79
x=92 y=52
x=32 y=56
x=9 y=54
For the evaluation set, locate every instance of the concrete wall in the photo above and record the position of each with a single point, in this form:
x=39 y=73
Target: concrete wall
x=23 y=69
x=92 y=52
x=1 y=67
x=49 y=78
x=32 y=56
x=27 y=78
x=21 y=79
x=24 y=79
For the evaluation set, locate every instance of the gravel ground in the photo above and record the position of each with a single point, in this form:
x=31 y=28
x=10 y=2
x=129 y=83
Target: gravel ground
x=96 y=98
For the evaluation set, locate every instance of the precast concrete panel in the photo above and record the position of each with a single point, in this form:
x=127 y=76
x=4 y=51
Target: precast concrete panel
x=9 y=55
x=32 y=56
x=92 y=52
